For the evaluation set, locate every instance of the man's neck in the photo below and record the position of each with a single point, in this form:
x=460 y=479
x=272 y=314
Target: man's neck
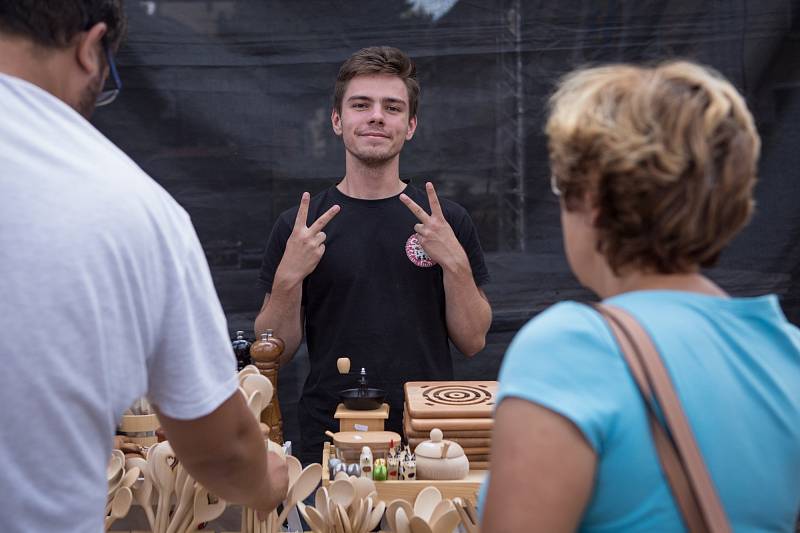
x=369 y=182
x=21 y=58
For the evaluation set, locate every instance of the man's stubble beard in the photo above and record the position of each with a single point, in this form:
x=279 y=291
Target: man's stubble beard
x=374 y=160
x=88 y=99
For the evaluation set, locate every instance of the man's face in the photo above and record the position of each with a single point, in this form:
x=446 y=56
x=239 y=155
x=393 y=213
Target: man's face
x=374 y=122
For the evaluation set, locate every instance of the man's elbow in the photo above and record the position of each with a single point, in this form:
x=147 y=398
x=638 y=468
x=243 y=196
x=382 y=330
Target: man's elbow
x=472 y=346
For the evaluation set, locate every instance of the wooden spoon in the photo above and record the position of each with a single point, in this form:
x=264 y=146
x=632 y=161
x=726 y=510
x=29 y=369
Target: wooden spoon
x=246 y=371
x=119 y=506
x=401 y=521
x=114 y=466
x=363 y=485
x=355 y=512
x=427 y=500
x=344 y=518
x=418 y=525
x=314 y=518
x=375 y=516
x=295 y=468
x=446 y=523
x=143 y=489
x=321 y=503
x=257 y=382
x=207 y=507
x=391 y=512
x=441 y=508
x=364 y=519
x=305 y=485
x=162 y=462
x=342 y=492
x=256 y=404
x=185 y=500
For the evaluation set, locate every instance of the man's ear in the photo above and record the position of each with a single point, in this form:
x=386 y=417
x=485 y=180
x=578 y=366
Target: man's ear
x=412 y=127
x=89 y=49
x=336 y=122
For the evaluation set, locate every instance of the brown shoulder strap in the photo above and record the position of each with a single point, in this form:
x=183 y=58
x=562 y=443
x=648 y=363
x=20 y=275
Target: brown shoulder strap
x=678 y=453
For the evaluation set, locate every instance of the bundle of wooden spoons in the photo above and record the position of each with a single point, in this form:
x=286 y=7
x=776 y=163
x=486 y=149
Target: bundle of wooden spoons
x=120 y=480
x=430 y=514
x=349 y=504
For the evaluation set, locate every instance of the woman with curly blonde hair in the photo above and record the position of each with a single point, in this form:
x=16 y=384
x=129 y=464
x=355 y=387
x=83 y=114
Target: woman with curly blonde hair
x=654 y=168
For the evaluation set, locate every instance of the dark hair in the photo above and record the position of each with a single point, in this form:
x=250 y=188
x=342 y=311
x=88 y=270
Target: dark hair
x=378 y=60
x=53 y=23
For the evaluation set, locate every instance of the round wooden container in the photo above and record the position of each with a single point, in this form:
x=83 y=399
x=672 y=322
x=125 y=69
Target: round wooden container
x=440 y=459
x=140 y=429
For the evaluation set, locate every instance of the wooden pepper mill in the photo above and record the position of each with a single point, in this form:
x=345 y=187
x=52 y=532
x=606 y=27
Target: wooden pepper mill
x=266 y=353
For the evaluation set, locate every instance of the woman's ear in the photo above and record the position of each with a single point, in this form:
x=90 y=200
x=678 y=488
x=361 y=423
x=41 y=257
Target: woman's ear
x=89 y=49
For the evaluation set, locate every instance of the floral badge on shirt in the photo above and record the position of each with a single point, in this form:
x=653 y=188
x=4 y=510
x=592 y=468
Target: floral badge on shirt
x=416 y=254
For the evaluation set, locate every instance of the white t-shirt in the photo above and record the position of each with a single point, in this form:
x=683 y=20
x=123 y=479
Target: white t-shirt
x=105 y=295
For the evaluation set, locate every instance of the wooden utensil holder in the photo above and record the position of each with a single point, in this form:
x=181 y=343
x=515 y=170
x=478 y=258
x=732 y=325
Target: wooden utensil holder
x=140 y=429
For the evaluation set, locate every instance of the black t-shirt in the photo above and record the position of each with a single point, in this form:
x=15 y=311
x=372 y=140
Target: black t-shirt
x=372 y=298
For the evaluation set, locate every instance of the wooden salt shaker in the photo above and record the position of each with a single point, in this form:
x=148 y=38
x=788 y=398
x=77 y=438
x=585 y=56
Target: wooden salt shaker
x=266 y=353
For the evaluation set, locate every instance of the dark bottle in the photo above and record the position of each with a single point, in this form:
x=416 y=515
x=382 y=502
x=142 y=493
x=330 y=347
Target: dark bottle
x=241 y=347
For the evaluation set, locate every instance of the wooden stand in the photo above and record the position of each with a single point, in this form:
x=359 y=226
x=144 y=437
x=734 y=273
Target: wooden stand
x=353 y=420
x=266 y=354
x=466 y=488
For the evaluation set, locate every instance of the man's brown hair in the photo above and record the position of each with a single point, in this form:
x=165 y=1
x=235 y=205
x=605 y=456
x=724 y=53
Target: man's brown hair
x=53 y=23
x=666 y=154
x=378 y=60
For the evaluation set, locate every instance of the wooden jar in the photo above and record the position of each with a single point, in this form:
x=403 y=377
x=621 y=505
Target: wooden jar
x=440 y=459
x=140 y=429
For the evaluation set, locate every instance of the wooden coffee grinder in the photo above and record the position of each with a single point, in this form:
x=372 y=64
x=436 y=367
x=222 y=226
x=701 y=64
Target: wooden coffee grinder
x=266 y=354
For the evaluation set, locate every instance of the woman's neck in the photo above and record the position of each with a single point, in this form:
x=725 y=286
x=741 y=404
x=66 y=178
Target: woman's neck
x=641 y=281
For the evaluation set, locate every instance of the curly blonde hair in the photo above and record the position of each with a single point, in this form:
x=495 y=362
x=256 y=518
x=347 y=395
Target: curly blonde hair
x=667 y=154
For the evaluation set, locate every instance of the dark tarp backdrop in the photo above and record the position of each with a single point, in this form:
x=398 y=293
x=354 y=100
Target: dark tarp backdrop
x=227 y=105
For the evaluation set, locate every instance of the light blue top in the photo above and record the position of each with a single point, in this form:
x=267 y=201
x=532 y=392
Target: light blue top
x=736 y=366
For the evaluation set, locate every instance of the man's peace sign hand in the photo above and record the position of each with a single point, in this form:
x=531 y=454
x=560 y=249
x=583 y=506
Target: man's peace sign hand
x=306 y=244
x=435 y=234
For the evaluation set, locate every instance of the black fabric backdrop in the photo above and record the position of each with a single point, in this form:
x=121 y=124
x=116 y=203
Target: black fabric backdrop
x=227 y=105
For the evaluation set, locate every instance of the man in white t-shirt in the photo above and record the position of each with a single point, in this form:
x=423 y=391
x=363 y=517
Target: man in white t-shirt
x=105 y=294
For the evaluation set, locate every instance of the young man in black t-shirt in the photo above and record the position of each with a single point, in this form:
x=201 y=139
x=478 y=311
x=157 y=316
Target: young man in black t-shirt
x=373 y=268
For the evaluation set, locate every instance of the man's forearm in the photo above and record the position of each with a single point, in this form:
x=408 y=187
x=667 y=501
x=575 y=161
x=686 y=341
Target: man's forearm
x=224 y=451
x=469 y=314
x=282 y=313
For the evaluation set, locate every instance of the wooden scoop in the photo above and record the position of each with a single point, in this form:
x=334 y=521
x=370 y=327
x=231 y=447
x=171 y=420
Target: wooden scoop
x=343 y=365
x=427 y=500
x=305 y=485
x=342 y=492
x=119 y=506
